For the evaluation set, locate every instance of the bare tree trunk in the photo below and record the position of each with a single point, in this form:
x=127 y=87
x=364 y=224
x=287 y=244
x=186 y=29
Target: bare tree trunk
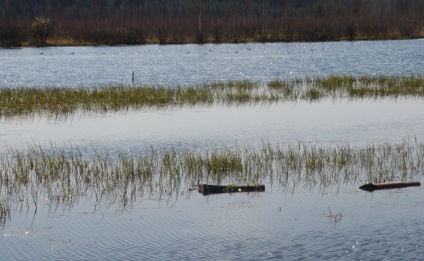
x=8 y=14
x=263 y=19
x=96 y=9
x=200 y=15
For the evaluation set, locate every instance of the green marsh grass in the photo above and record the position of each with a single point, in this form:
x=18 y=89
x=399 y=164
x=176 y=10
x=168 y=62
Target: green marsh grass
x=64 y=101
x=62 y=175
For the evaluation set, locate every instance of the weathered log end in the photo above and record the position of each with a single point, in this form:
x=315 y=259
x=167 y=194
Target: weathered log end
x=207 y=189
x=391 y=185
x=368 y=187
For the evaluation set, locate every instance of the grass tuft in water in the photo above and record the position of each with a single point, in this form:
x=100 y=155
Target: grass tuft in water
x=4 y=211
x=64 y=101
x=62 y=175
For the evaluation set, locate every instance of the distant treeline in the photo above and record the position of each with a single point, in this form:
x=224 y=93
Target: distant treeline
x=199 y=21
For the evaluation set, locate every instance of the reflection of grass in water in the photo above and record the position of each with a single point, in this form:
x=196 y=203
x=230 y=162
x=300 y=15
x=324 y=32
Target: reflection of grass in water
x=4 y=211
x=62 y=175
x=25 y=101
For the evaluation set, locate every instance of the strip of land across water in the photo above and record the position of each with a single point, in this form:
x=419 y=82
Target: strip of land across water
x=63 y=101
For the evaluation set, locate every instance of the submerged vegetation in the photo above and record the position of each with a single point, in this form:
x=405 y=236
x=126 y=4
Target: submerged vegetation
x=63 y=101
x=63 y=175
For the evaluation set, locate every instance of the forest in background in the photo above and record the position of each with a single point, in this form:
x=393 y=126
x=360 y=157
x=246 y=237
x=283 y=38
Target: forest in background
x=113 y=22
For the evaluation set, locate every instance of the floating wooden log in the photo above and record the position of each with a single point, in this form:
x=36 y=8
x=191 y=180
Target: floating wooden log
x=206 y=189
x=391 y=185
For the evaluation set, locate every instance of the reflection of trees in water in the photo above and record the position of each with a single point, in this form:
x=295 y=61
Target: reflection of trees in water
x=61 y=176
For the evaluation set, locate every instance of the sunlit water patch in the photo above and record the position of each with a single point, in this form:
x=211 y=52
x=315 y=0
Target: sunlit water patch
x=197 y=64
x=274 y=224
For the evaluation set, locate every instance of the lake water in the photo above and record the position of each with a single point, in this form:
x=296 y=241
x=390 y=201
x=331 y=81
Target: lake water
x=270 y=225
x=324 y=122
x=339 y=222
x=196 y=64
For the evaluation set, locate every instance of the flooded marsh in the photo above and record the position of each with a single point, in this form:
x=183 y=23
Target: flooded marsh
x=62 y=101
x=68 y=177
x=61 y=174
x=109 y=169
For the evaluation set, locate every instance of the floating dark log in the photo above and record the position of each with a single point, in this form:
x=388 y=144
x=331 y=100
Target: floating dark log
x=206 y=189
x=377 y=186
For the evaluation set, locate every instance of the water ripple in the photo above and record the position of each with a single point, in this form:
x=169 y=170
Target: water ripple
x=172 y=65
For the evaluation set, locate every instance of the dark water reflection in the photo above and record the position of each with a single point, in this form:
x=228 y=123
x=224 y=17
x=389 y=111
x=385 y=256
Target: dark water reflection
x=196 y=64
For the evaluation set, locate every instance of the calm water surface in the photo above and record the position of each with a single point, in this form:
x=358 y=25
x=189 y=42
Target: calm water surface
x=283 y=223
x=196 y=64
x=324 y=122
x=305 y=222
